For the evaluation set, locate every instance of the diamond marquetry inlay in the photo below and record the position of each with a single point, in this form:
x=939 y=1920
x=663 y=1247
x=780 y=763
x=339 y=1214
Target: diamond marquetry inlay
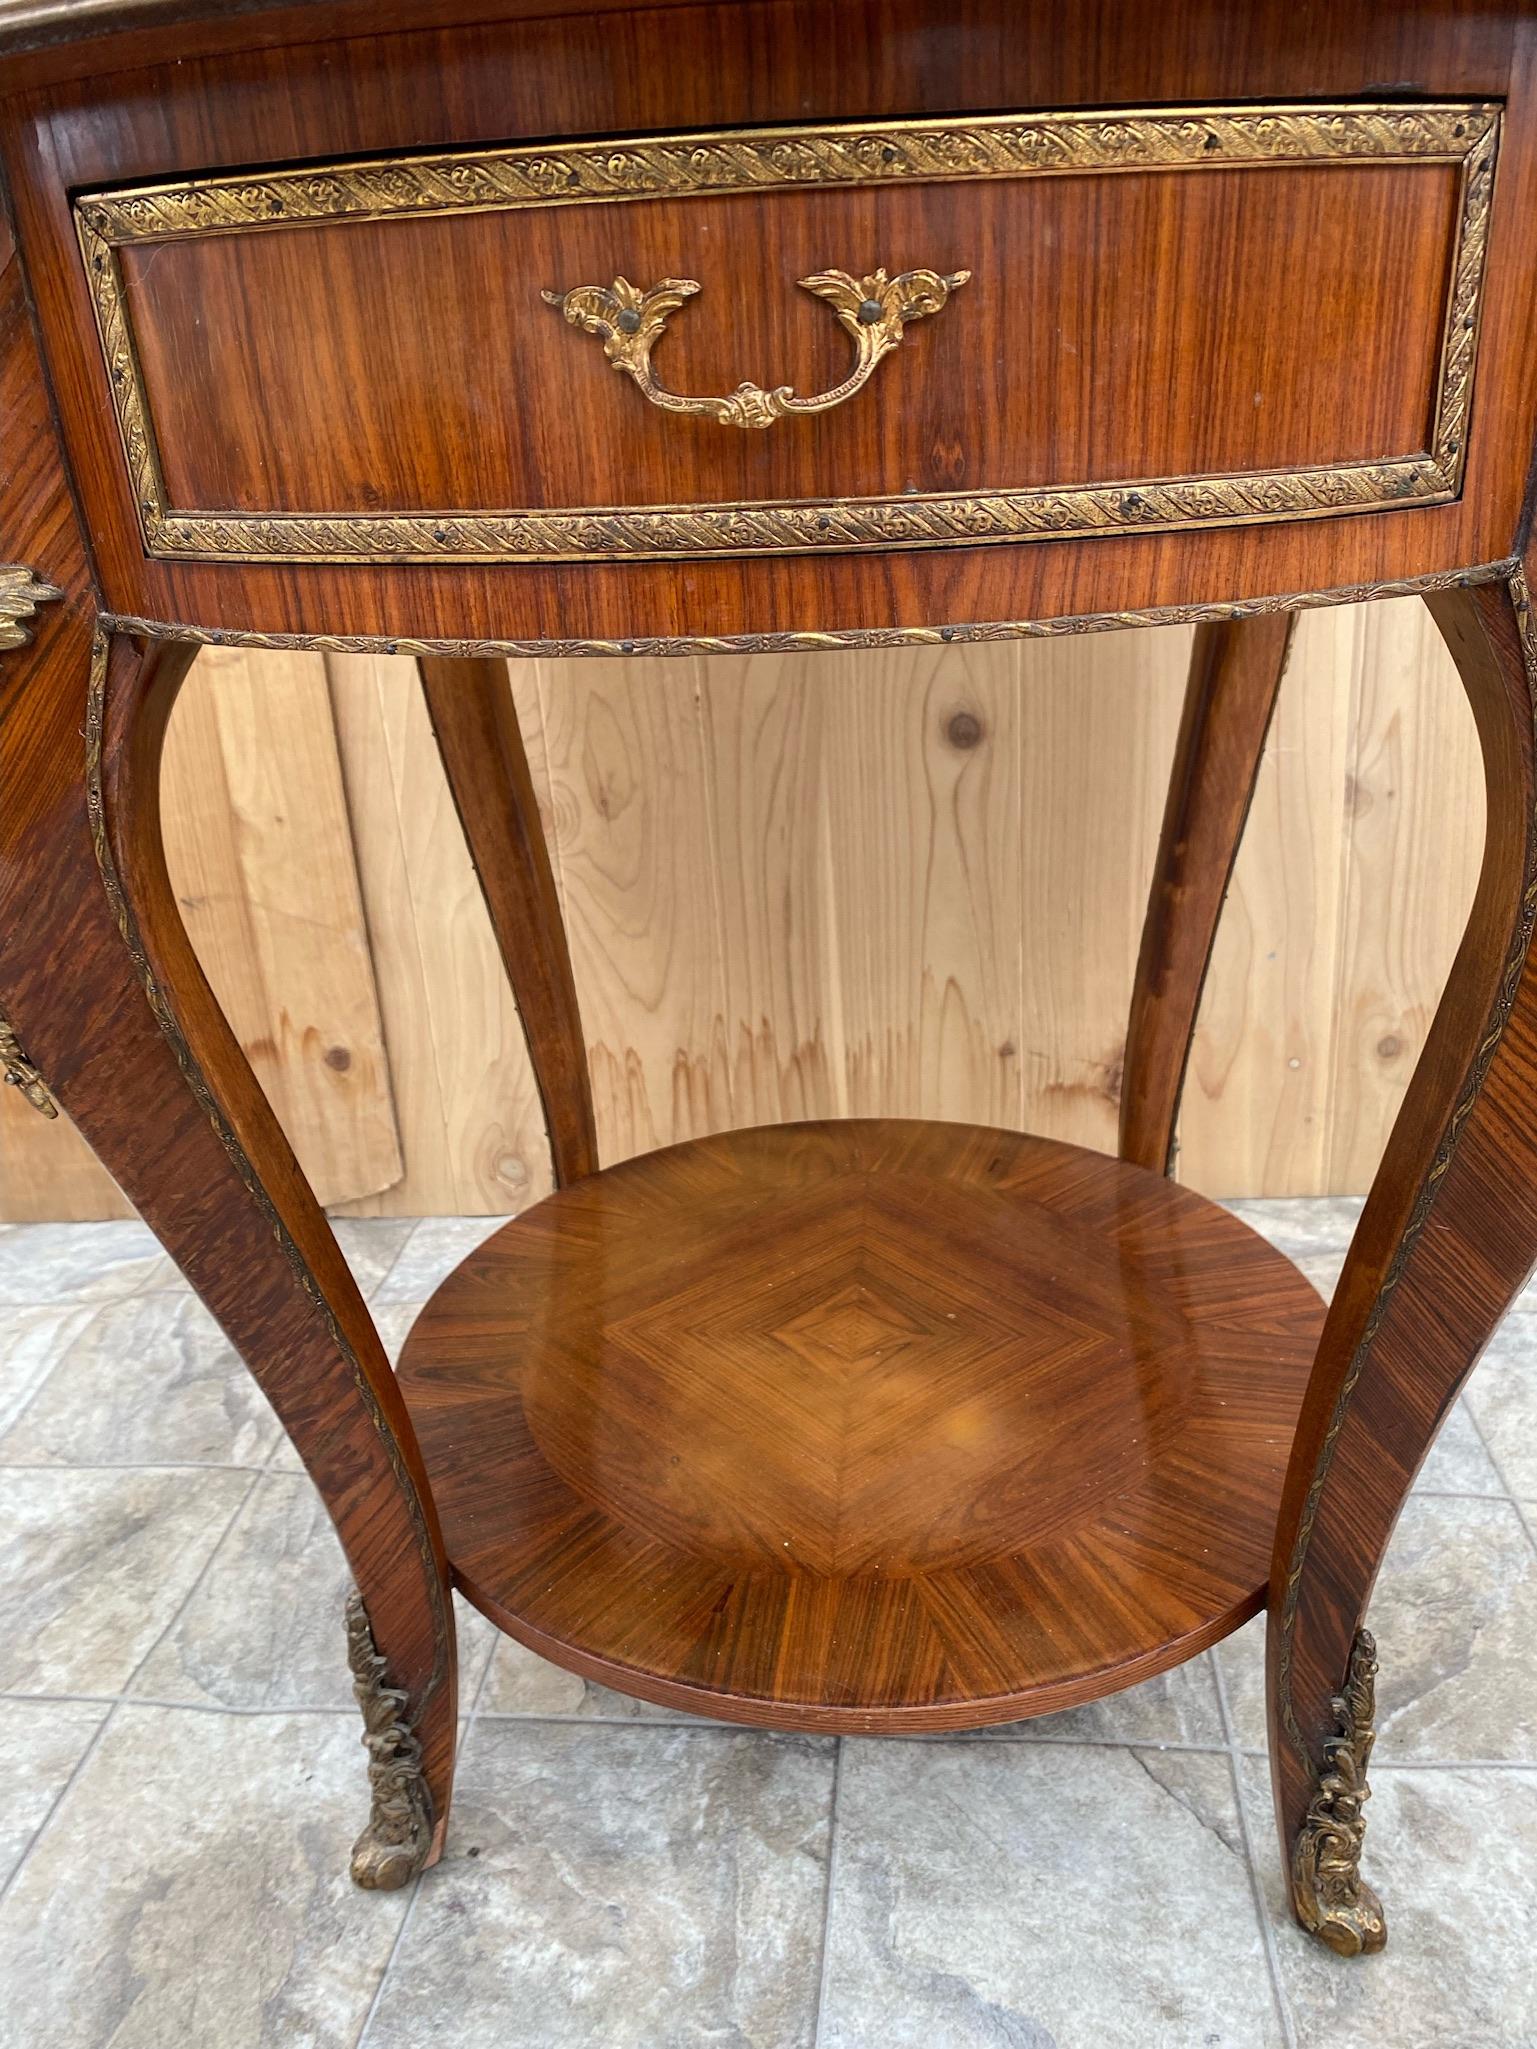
x=864 y=1420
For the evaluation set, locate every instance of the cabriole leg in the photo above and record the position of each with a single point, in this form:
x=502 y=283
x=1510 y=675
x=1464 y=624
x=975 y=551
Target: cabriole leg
x=258 y=1248
x=106 y=1012
x=1447 y=1239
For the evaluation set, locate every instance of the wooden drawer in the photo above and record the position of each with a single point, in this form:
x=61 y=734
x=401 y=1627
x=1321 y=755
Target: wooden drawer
x=1112 y=321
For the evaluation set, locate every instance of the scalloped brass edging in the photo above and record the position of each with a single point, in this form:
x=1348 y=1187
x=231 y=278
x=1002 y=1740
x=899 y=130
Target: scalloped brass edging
x=784 y=159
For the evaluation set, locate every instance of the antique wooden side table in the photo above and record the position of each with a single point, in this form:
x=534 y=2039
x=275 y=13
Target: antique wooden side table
x=310 y=316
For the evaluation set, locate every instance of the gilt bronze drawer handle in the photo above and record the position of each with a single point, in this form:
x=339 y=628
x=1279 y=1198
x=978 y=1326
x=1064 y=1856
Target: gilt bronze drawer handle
x=875 y=310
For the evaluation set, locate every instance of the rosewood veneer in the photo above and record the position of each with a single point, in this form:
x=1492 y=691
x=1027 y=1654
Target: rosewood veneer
x=494 y=327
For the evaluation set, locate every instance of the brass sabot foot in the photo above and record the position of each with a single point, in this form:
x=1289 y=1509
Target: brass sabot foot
x=1330 y=1897
x=394 y=1845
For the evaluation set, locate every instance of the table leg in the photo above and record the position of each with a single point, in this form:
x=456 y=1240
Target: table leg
x=476 y=726
x=1235 y=673
x=1447 y=1239
x=104 y=1010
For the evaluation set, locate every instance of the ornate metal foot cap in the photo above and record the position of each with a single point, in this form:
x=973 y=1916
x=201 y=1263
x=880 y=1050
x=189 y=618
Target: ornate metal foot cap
x=394 y=1845
x=1328 y=1893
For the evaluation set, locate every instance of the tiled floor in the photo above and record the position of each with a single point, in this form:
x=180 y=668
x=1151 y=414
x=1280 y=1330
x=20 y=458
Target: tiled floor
x=184 y=1777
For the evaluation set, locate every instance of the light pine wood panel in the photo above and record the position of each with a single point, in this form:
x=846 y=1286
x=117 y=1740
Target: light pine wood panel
x=48 y=1174
x=773 y=787
x=260 y=856
x=261 y=859
x=924 y=831
x=624 y=757
x=1256 y=1104
x=905 y=882
x=465 y=1102
x=1098 y=721
x=1409 y=858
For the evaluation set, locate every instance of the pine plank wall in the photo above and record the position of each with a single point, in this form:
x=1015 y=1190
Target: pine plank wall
x=906 y=882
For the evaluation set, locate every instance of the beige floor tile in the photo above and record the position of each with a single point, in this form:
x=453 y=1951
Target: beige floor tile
x=32 y=1342
x=264 y=1628
x=41 y=1742
x=371 y=1246
x=620 y=1889
x=94 y=1565
x=1323 y=1269
x=520 y=1682
x=1453 y=1854
x=191 y=1892
x=150 y=1381
x=1458 y=1462
x=1037 y=1896
x=1503 y=1397
x=1455 y=1617
x=75 y=1262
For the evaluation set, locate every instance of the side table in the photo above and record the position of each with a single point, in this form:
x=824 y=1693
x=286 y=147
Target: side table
x=432 y=327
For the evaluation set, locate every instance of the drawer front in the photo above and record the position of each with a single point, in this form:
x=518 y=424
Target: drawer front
x=792 y=340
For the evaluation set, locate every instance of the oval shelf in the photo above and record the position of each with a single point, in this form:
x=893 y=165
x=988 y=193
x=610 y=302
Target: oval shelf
x=864 y=1426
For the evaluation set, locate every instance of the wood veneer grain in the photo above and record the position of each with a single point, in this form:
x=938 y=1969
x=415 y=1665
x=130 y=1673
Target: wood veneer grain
x=864 y=1425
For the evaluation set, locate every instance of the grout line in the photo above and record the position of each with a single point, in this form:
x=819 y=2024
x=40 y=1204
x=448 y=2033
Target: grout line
x=189 y=1465
x=62 y=1795
x=698 y=1723
x=972 y=1738
x=1256 y=1883
x=389 y=1961
x=192 y=1591
x=1381 y=1763
x=461 y=1745
x=44 y=1378
x=1511 y=1496
x=824 y=1968
x=371 y=1298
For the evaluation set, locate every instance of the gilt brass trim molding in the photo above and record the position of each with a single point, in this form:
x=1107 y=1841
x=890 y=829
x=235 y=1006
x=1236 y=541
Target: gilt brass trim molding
x=786 y=159
x=20 y=595
x=1525 y=929
x=812 y=641
x=873 y=310
x=1331 y=1899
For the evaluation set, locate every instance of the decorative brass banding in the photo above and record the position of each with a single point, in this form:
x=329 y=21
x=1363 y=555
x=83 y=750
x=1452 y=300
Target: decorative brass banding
x=1332 y=1901
x=874 y=310
x=20 y=595
x=816 y=640
x=785 y=159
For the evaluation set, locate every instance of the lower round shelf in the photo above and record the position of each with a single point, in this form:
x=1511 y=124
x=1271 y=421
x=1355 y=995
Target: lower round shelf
x=865 y=1425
